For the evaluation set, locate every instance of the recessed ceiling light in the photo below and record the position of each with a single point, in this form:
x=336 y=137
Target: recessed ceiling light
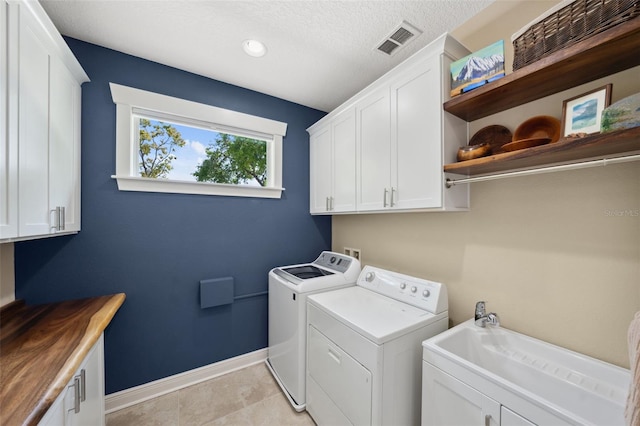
x=254 y=48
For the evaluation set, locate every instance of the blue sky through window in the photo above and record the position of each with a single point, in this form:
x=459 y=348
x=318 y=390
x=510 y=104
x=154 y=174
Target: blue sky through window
x=192 y=153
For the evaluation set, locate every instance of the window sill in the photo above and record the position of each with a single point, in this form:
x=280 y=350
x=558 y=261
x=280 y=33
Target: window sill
x=131 y=183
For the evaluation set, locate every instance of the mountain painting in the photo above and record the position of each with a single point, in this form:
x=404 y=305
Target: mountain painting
x=478 y=68
x=584 y=115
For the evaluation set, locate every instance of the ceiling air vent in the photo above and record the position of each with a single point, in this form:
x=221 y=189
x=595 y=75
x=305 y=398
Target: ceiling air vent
x=398 y=38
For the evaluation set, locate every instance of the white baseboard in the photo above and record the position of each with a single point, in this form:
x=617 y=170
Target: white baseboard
x=128 y=397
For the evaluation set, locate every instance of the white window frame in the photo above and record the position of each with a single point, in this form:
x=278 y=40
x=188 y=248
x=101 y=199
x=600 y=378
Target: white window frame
x=130 y=101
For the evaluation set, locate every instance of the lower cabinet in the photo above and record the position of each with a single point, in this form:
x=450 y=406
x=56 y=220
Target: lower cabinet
x=448 y=401
x=82 y=401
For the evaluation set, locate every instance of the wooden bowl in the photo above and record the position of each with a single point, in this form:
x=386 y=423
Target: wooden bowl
x=470 y=152
x=541 y=126
x=495 y=135
x=525 y=143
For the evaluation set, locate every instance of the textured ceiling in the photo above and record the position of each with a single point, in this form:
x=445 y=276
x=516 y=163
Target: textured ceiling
x=320 y=52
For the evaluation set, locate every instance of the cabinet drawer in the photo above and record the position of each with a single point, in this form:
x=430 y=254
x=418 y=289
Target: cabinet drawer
x=341 y=377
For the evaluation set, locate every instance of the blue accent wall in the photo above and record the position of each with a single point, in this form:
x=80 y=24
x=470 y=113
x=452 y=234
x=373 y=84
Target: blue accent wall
x=157 y=247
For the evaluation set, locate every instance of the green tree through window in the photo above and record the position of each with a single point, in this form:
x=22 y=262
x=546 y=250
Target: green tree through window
x=167 y=151
x=158 y=143
x=235 y=160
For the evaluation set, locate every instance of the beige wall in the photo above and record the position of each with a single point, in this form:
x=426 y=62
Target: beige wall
x=557 y=256
x=7 y=281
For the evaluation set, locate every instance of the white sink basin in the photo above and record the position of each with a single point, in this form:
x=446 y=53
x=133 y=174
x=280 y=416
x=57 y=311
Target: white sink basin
x=574 y=386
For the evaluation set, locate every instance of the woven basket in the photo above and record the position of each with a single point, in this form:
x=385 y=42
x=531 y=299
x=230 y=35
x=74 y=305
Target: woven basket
x=577 y=21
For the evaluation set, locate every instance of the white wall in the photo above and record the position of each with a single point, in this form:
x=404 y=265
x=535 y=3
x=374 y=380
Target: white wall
x=557 y=256
x=7 y=281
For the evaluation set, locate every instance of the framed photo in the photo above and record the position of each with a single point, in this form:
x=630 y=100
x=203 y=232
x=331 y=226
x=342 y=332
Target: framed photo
x=477 y=69
x=583 y=113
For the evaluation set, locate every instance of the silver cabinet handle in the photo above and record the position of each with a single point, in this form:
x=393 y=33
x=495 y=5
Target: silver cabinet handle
x=56 y=218
x=62 y=218
x=83 y=385
x=326 y=204
x=487 y=420
x=76 y=394
x=393 y=191
x=384 y=197
x=331 y=203
x=59 y=218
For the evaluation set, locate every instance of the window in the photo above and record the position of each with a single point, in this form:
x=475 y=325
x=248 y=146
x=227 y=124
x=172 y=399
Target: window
x=166 y=144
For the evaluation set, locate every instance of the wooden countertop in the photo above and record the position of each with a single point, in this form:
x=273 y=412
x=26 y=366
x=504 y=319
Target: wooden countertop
x=41 y=346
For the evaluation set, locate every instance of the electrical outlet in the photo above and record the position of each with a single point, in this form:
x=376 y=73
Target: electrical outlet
x=356 y=253
x=347 y=251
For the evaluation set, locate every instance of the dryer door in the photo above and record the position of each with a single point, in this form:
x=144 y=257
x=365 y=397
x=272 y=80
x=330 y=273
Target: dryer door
x=342 y=378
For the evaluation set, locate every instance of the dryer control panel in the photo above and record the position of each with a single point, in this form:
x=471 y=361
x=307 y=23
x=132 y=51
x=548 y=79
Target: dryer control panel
x=428 y=295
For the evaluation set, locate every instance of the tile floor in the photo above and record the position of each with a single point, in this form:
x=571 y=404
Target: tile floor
x=245 y=397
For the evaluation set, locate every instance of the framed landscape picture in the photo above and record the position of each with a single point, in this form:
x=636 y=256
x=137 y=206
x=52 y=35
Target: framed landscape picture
x=583 y=113
x=477 y=69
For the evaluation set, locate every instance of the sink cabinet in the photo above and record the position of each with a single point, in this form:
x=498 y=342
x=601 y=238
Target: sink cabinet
x=40 y=144
x=82 y=401
x=402 y=140
x=495 y=376
x=447 y=400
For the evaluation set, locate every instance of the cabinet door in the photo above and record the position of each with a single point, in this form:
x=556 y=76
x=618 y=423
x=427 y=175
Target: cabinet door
x=33 y=163
x=344 y=163
x=448 y=401
x=320 y=170
x=64 y=147
x=91 y=406
x=374 y=128
x=416 y=166
x=509 y=418
x=8 y=131
x=55 y=416
x=81 y=403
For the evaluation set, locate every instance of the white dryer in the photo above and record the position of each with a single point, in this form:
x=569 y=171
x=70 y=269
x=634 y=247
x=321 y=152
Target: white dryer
x=364 y=348
x=289 y=287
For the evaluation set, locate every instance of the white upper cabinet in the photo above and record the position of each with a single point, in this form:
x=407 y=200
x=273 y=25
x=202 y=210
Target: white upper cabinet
x=416 y=147
x=8 y=135
x=41 y=193
x=403 y=137
x=333 y=165
x=321 y=167
x=33 y=118
x=374 y=136
x=64 y=147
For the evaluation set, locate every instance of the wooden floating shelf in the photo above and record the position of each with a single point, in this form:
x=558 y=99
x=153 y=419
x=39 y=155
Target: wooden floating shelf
x=598 y=146
x=611 y=51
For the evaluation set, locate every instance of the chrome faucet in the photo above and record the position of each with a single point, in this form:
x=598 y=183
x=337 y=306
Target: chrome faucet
x=482 y=318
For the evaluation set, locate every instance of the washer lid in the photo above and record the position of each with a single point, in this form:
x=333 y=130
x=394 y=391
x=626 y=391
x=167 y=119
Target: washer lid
x=377 y=317
x=328 y=270
x=305 y=272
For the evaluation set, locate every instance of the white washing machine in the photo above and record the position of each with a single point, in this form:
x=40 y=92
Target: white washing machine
x=289 y=287
x=364 y=348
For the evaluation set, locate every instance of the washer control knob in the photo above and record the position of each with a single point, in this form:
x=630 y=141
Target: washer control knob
x=370 y=276
x=414 y=289
x=333 y=259
x=403 y=286
x=426 y=293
